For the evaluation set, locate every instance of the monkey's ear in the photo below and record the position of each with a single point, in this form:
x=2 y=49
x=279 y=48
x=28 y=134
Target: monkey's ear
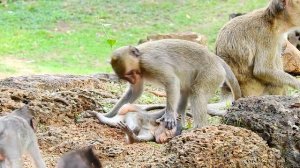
x=134 y=51
x=32 y=125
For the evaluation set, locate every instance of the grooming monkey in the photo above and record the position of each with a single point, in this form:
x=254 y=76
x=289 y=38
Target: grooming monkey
x=252 y=44
x=185 y=69
x=16 y=138
x=81 y=158
x=140 y=125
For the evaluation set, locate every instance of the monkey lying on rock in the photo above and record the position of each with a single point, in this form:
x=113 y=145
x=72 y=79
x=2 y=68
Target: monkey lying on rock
x=16 y=138
x=139 y=125
x=187 y=70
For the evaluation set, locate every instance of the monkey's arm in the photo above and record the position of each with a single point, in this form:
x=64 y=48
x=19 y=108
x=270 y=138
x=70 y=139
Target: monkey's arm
x=172 y=87
x=272 y=75
x=35 y=153
x=133 y=92
x=109 y=121
x=132 y=137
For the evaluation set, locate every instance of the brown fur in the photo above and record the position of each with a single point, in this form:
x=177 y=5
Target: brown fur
x=251 y=45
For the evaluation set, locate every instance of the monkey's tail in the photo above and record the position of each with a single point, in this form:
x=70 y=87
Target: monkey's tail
x=152 y=115
x=231 y=80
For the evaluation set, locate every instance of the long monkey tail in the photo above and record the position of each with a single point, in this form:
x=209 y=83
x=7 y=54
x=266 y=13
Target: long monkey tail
x=231 y=80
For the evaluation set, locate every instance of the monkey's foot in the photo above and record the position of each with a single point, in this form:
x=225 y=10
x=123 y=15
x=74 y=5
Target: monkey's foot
x=169 y=119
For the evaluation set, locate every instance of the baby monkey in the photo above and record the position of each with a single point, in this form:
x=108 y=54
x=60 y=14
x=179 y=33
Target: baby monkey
x=81 y=158
x=16 y=138
x=140 y=125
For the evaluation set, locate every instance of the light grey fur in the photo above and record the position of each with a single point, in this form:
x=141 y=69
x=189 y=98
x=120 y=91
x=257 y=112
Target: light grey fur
x=187 y=70
x=17 y=138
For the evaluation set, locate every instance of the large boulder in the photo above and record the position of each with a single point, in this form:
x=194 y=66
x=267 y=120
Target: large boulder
x=275 y=118
x=219 y=146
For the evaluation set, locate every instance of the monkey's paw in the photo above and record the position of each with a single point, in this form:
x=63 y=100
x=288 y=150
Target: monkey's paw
x=169 y=119
x=124 y=127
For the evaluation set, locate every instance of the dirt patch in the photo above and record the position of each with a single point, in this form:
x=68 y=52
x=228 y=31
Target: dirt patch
x=59 y=103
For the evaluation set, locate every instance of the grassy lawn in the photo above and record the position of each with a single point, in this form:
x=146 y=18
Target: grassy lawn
x=70 y=36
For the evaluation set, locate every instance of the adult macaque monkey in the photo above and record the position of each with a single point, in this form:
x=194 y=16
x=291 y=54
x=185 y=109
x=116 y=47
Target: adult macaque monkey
x=140 y=125
x=80 y=158
x=185 y=69
x=252 y=44
x=16 y=138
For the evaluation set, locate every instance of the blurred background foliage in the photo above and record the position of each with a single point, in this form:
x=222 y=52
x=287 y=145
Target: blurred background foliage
x=77 y=36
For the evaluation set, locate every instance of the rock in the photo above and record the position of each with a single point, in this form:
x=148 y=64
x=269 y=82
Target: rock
x=56 y=97
x=190 y=36
x=219 y=146
x=275 y=118
x=291 y=59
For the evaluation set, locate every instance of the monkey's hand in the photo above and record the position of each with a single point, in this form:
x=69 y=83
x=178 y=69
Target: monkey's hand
x=169 y=119
x=130 y=134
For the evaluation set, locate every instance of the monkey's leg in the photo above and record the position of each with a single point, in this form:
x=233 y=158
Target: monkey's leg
x=275 y=90
x=143 y=136
x=276 y=76
x=226 y=92
x=252 y=88
x=199 y=109
x=182 y=106
x=35 y=154
x=131 y=137
x=133 y=92
x=109 y=121
x=172 y=87
x=217 y=109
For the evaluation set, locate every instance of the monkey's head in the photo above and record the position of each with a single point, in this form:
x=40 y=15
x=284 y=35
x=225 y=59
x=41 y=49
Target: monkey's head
x=125 y=62
x=289 y=10
x=163 y=135
x=25 y=113
x=83 y=158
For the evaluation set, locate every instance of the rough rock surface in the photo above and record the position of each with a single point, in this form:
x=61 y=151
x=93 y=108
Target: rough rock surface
x=219 y=146
x=59 y=103
x=190 y=36
x=275 y=118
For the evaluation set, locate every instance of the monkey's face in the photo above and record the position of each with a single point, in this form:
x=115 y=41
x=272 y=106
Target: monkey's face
x=125 y=63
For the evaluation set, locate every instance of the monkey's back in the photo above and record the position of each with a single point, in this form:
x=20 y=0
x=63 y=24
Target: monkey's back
x=190 y=61
x=240 y=40
x=180 y=54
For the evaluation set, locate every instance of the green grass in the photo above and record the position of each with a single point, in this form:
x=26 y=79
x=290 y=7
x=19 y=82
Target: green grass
x=70 y=36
